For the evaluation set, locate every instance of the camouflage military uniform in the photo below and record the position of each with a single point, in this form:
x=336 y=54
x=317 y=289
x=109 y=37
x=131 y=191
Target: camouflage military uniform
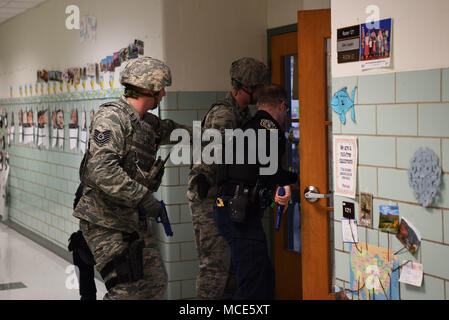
x=122 y=149
x=216 y=278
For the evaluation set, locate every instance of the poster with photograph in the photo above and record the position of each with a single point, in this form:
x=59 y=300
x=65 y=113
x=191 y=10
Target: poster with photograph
x=20 y=116
x=409 y=236
x=4 y=174
x=366 y=209
x=28 y=127
x=140 y=47
x=60 y=127
x=375 y=44
x=388 y=218
x=54 y=129
x=124 y=55
x=345 y=166
x=12 y=128
x=35 y=125
x=43 y=139
x=83 y=132
x=110 y=63
x=73 y=129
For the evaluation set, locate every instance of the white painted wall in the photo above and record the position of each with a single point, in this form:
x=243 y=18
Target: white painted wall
x=197 y=38
x=419 y=33
x=285 y=12
x=38 y=39
x=203 y=37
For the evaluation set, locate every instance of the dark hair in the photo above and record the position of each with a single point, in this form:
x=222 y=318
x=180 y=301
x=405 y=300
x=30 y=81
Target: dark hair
x=272 y=95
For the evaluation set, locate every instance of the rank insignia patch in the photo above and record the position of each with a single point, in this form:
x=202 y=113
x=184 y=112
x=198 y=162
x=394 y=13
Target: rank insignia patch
x=267 y=124
x=101 y=138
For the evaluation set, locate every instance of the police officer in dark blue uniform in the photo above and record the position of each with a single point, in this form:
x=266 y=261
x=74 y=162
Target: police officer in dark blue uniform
x=244 y=193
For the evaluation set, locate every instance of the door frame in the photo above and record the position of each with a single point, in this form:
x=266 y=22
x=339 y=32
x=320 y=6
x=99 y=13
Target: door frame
x=287 y=263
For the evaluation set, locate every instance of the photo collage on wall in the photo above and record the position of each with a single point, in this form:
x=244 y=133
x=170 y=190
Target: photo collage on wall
x=88 y=77
x=45 y=128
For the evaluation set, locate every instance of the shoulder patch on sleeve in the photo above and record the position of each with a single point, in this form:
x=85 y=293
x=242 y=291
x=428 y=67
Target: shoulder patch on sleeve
x=102 y=137
x=267 y=124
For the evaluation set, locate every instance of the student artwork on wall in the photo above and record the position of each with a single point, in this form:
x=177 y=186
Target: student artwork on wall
x=342 y=103
x=375 y=44
x=54 y=129
x=374 y=273
x=424 y=176
x=4 y=174
x=12 y=128
x=43 y=139
x=35 y=125
x=73 y=129
x=83 y=132
x=20 y=116
x=28 y=128
x=60 y=126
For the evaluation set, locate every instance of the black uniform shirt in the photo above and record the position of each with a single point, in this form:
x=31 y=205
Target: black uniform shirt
x=249 y=173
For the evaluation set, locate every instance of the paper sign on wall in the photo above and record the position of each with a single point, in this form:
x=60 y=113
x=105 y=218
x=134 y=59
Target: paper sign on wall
x=345 y=166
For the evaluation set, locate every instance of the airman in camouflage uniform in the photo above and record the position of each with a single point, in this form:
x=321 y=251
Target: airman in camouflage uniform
x=117 y=201
x=216 y=279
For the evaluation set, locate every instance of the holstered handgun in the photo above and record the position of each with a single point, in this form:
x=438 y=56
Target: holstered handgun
x=238 y=205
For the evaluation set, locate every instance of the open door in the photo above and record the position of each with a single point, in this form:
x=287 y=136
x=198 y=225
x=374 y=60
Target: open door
x=299 y=61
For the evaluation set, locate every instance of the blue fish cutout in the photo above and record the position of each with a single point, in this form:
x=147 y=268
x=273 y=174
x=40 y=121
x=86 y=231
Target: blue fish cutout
x=341 y=103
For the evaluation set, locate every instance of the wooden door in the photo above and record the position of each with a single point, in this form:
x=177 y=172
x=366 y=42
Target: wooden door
x=305 y=273
x=314 y=28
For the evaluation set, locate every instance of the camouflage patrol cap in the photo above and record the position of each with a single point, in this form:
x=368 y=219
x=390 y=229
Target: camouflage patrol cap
x=146 y=73
x=249 y=72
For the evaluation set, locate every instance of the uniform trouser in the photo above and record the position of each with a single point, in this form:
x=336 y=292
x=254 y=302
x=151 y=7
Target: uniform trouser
x=105 y=244
x=216 y=278
x=249 y=254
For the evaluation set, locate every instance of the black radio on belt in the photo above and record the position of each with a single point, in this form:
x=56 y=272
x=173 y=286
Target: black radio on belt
x=238 y=205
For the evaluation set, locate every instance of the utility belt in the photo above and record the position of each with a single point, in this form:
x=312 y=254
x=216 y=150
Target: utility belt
x=246 y=199
x=128 y=265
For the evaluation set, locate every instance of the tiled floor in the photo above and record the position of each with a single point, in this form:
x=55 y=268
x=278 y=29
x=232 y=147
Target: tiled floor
x=31 y=272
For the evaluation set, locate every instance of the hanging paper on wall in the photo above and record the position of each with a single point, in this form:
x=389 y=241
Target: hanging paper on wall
x=409 y=236
x=341 y=103
x=43 y=129
x=73 y=129
x=349 y=231
x=83 y=132
x=28 y=128
x=345 y=166
x=411 y=273
x=366 y=209
x=20 y=126
x=12 y=128
x=88 y=28
x=4 y=174
x=374 y=273
x=375 y=44
x=60 y=126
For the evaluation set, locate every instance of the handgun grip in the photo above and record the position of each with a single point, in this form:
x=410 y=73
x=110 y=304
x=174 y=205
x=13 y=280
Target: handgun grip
x=281 y=192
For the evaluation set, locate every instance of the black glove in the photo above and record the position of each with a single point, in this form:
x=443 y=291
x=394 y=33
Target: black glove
x=202 y=185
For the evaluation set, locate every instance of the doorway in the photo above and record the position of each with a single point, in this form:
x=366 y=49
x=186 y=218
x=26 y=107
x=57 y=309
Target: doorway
x=299 y=60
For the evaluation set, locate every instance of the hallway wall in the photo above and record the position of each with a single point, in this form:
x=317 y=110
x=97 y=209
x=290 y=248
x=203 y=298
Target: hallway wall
x=397 y=111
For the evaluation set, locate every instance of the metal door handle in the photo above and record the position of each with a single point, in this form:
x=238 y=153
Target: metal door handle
x=312 y=194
